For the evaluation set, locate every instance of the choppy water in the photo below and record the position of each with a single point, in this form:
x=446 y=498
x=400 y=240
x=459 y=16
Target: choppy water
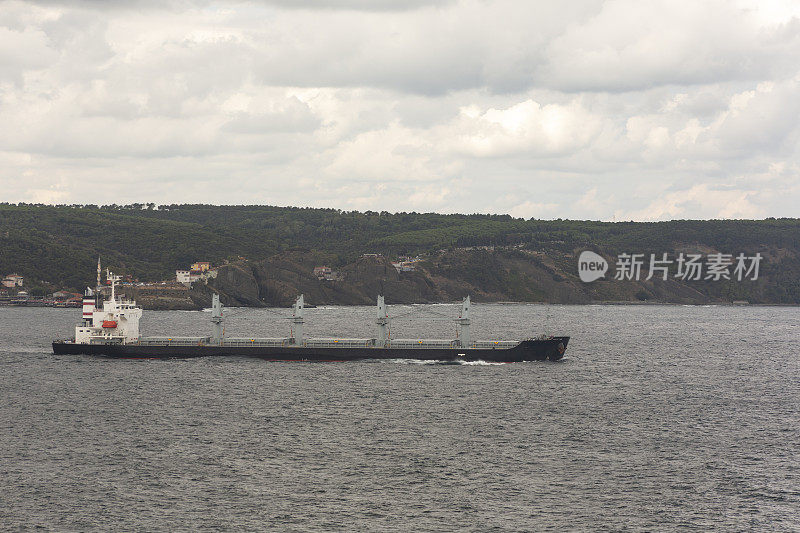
x=659 y=418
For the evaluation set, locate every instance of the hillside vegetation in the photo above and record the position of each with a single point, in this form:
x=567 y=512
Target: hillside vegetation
x=532 y=260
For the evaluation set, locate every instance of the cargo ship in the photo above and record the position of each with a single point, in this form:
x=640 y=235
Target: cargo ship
x=110 y=328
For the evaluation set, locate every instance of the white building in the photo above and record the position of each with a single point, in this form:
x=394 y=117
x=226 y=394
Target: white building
x=326 y=273
x=12 y=280
x=403 y=266
x=322 y=272
x=186 y=276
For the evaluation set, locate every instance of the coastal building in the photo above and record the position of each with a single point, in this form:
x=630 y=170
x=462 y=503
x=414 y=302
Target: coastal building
x=406 y=263
x=186 y=276
x=321 y=271
x=12 y=280
x=326 y=273
x=64 y=295
x=168 y=289
x=403 y=266
x=198 y=271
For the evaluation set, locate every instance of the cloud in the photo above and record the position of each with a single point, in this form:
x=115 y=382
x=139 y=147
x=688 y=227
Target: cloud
x=633 y=46
x=525 y=127
x=358 y=5
x=290 y=115
x=46 y=196
x=393 y=153
x=590 y=109
x=530 y=209
x=702 y=199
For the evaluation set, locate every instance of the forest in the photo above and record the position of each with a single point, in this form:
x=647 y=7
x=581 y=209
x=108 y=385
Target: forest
x=58 y=246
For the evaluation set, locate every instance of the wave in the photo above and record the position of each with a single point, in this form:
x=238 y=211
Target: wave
x=434 y=362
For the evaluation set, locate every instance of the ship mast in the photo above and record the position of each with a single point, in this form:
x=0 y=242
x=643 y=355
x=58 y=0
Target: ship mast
x=383 y=324
x=98 y=286
x=464 y=322
x=99 y=272
x=113 y=279
x=216 y=320
x=297 y=320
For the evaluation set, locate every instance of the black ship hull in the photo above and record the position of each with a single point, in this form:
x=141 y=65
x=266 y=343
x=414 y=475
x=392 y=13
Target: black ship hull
x=551 y=349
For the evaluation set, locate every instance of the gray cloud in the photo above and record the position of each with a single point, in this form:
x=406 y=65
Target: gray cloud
x=358 y=5
x=589 y=110
x=328 y=5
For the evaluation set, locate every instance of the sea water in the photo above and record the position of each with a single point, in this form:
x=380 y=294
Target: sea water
x=659 y=417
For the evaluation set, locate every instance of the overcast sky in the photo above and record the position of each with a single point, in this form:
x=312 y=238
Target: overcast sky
x=611 y=110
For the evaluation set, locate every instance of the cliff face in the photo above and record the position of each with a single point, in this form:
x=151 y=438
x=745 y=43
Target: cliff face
x=488 y=276
x=166 y=296
x=237 y=285
x=283 y=277
x=277 y=282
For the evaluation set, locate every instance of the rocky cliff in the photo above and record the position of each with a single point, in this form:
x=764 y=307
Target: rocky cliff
x=486 y=275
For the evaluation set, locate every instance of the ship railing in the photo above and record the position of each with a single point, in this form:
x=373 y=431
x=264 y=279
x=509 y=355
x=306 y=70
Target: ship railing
x=542 y=337
x=339 y=343
x=433 y=344
x=425 y=344
x=173 y=341
x=494 y=345
x=237 y=342
x=107 y=339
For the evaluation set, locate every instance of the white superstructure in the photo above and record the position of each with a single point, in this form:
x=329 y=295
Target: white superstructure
x=116 y=322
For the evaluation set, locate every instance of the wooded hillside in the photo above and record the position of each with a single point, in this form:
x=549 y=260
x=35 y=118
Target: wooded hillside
x=59 y=245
